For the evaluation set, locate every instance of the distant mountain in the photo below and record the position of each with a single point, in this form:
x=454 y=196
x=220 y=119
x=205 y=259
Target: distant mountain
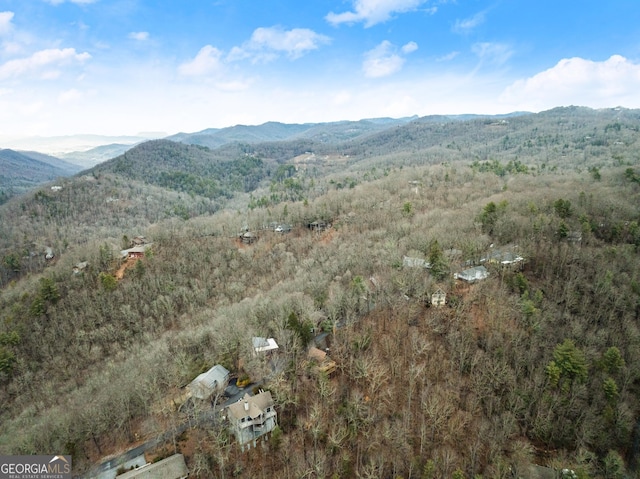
x=213 y=138
x=331 y=132
x=21 y=172
x=59 y=145
x=71 y=168
x=99 y=154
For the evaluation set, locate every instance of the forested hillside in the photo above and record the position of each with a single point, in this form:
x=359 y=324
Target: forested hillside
x=536 y=364
x=22 y=171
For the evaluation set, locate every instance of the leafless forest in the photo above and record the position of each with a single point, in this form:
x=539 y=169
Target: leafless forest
x=538 y=364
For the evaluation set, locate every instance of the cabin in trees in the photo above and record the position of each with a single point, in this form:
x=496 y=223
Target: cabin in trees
x=138 y=241
x=409 y=262
x=209 y=383
x=80 y=267
x=251 y=418
x=472 y=275
x=172 y=467
x=264 y=345
x=248 y=237
x=574 y=236
x=318 y=226
x=319 y=361
x=135 y=252
x=438 y=298
x=505 y=258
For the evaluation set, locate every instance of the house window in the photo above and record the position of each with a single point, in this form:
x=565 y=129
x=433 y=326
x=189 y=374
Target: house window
x=243 y=419
x=268 y=409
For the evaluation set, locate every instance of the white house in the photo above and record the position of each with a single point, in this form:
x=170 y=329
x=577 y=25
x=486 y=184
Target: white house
x=263 y=345
x=252 y=417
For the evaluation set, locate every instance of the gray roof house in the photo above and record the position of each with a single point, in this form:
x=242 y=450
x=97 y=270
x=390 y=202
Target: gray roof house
x=251 y=418
x=503 y=257
x=472 y=275
x=409 y=262
x=206 y=384
x=263 y=345
x=172 y=467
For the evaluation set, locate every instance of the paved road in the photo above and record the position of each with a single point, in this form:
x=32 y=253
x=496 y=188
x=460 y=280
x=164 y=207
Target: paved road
x=101 y=471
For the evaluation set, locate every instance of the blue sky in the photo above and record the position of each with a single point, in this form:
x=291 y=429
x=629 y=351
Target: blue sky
x=118 y=67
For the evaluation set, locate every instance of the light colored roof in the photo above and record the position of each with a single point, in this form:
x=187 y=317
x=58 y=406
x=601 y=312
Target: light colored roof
x=206 y=383
x=173 y=467
x=136 y=249
x=504 y=257
x=251 y=406
x=415 y=262
x=473 y=274
x=264 y=344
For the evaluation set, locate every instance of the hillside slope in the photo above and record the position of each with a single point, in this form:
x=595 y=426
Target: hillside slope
x=21 y=171
x=536 y=364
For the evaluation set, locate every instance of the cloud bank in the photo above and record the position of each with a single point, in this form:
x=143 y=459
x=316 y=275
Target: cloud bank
x=577 y=81
x=267 y=43
x=372 y=12
x=44 y=63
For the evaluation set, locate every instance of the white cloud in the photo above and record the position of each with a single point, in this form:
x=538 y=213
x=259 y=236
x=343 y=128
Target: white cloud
x=448 y=57
x=5 y=22
x=45 y=61
x=409 y=47
x=266 y=44
x=383 y=60
x=139 y=36
x=494 y=53
x=372 y=12
x=577 y=81
x=468 y=24
x=206 y=62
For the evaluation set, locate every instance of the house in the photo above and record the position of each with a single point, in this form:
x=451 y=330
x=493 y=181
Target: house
x=264 y=345
x=80 y=267
x=320 y=362
x=138 y=241
x=209 y=383
x=574 y=236
x=48 y=253
x=409 y=262
x=251 y=418
x=318 y=225
x=283 y=228
x=172 y=467
x=135 y=252
x=248 y=237
x=505 y=258
x=472 y=275
x=438 y=298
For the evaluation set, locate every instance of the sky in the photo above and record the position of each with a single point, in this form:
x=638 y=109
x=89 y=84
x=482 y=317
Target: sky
x=158 y=67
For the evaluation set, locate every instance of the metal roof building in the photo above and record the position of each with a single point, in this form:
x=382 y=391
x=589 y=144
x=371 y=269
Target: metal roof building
x=205 y=384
